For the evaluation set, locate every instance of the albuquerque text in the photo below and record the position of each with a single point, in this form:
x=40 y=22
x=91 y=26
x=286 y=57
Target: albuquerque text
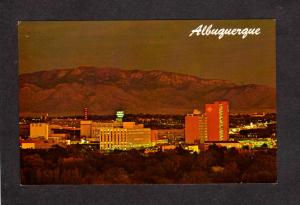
x=205 y=30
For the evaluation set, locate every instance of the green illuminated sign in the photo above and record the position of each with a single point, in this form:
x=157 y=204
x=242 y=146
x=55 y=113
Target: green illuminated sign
x=120 y=114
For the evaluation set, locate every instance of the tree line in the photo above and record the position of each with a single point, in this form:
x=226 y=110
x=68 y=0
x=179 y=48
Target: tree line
x=86 y=165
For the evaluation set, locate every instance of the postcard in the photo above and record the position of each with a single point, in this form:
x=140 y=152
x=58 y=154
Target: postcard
x=147 y=102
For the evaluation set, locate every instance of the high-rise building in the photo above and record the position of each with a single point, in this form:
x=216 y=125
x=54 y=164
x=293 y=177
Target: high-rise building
x=217 y=121
x=191 y=130
x=213 y=125
x=195 y=128
x=203 y=128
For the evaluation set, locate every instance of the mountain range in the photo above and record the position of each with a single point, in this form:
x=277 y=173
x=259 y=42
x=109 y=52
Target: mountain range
x=105 y=90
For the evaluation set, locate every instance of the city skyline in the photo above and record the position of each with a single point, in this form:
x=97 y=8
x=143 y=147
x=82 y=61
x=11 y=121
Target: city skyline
x=87 y=151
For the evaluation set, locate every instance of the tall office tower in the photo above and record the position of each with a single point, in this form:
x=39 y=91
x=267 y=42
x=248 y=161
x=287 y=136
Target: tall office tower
x=203 y=128
x=195 y=130
x=191 y=128
x=217 y=121
x=85 y=113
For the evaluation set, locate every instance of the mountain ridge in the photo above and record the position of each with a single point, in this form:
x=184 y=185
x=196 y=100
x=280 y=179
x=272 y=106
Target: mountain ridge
x=103 y=90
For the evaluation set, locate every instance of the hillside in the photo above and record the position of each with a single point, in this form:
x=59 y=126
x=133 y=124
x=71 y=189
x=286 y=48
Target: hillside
x=103 y=90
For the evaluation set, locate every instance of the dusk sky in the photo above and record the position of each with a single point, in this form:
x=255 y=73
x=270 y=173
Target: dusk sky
x=151 y=45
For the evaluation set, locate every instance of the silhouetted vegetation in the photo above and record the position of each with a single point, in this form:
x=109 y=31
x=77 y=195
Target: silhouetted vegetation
x=84 y=165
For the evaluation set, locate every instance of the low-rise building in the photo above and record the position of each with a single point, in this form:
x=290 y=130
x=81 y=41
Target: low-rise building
x=39 y=130
x=228 y=144
x=193 y=148
x=168 y=147
x=154 y=137
x=126 y=135
x=27 y=145
x=86 y=128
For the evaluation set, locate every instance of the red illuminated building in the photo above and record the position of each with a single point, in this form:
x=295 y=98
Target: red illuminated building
x=217 y=121
x=213 y=125
x=195 y=128
x=191 y=130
